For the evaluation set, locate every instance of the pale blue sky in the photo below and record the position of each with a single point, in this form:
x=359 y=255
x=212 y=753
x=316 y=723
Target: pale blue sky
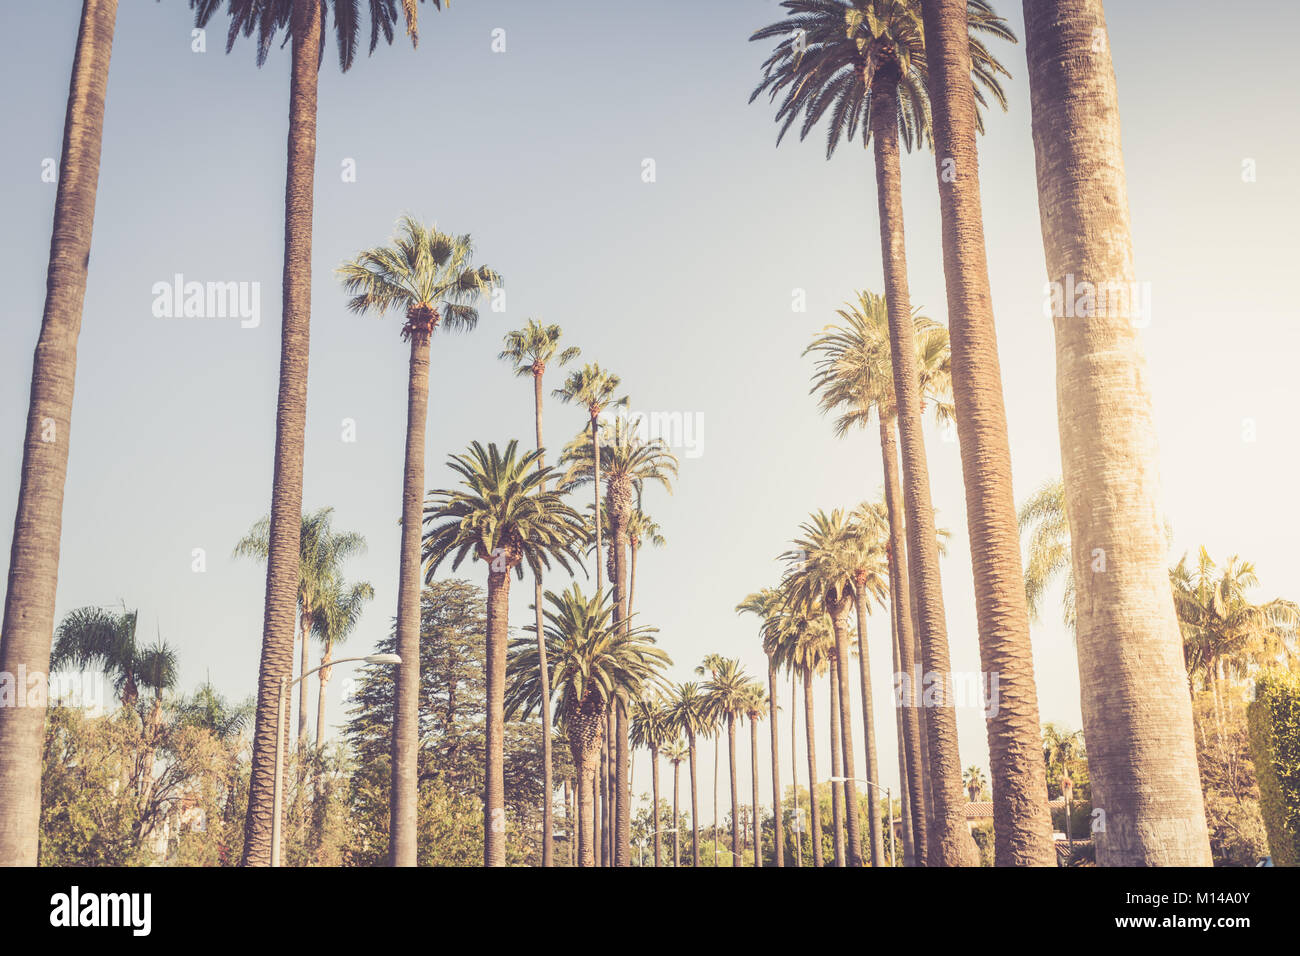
x=683 y=287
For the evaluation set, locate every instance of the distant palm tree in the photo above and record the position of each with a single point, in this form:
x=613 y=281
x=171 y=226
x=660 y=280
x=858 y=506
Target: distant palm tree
x=675 y=751
x=727 y=693
x=592 y=661
x=689 y=713
x=430 y=277
x=499 y=516
x=530 y=350
x=334 y=620
x=97 y=637
x=973 y=780
x=34 y=557
x=304 y=22
x=766 y=604
x=1042 y=516
x=650 y=729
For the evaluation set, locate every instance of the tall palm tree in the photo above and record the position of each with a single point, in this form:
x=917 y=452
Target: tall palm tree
x=865 y=61
x=321 y=553
x=28 y=625
x=974 y=781
x=675 y=752
x=710 y=667
x=1137 y=714
x=592 y=660
x=627 y=464
x=499 y=516
x=302 y=21
x=1022 y=825
x=727 y=692
x=335 y=619
x=755 y=706
x=650 y=729
x=430 y=277
x=689 y=715
x=530 y=350
x=766 y=604
x=821 y=575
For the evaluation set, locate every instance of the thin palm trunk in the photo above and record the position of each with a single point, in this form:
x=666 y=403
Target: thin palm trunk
x=949 y=843
x=1137 y=715
x=1021 y=822
x=778 y=824
x=677 y=828
x=595 y=463
x=695 y=810
x=736 y=845
x=28 y=627
x=600 y=832
x=284 y=544
x=494 y=794
x=839 y=626
x=717 y=741
x=619 y=497
x=304 y=664
x=654 y=787
x=814 y=809
x=753 y=777
x=912 y=739
x=794 y=768
x=869 y=732
x=905 y=799
x=837 y=790
x=548 y=782
x=322 y=678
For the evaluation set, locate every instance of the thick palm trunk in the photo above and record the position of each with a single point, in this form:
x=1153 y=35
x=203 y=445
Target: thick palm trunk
x=837 y=770
x=548 y=782
x=905 y=800
x=778 y=824
x=912 y=740
x=949 y=842
x=677 y=829
x=1021 y=821
x=695 y=810
x=406 y=702
x=1137 y=715
x=494 y=793
x=839 y=624
x=587 y=767
x=34 y=555
x=323 y=678
x=654 y=787
x=753 y=777
x=736 y=846
x=869 y=731
x=290 y=428
x=814 y=809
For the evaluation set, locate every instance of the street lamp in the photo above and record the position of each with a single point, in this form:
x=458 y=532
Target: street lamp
x=888 y=799
x=285 y=684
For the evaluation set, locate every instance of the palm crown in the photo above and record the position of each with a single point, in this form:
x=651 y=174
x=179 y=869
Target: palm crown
x=532 y=348
x=625 y=459
x=592 y=387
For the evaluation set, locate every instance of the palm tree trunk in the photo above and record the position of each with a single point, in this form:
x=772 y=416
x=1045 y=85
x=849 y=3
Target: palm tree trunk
x=28 y=627
x=654 y=786
x=695 y=809
x=717 y=742
x=736 y=847
x=323 y=678
x=586 y=757
x=905 y=799
x=911 y=739
x=837 y=770
x=601 y=833
x=950 y=844
x=845 y=707
x=619 y=500
x=869 y=732
x=595 y=464
x=290 y=428
x=1137 y=715
x=753 y=777
x=794 y=767
x=814 y=810
x=304 y=664
x=778 y=824
x=677 y=835
x=494 y=794
x=1021 y=821
x=548 y=782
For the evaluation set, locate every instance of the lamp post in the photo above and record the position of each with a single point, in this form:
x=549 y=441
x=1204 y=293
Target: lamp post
x=889 y=799
x=285 y=684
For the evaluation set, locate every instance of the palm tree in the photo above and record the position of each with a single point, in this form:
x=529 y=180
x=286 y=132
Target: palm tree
x=973 y=780
x=1042 y=516
x=756 y=704
x=34 y=557
x=321 y=552
x=593 y=660
x=675 y=752
x=650 y=729
x=303 y=21
x=627 y=465
x=99 y=638
x=334 y=620
x=710 y=667
x=1137 y=714
x=499 y=516
x=766 y=604
x=689 y=715
x=530 y=350
x=1021 y=822
x=865 y=60
x=431 y=277
x=727 y=693
x=821 y=575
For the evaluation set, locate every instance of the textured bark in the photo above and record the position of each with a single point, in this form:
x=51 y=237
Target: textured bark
x=28 y=627
x=905 y=668
x=1136 y=710
x=869 y=730
x=837 y=770
x=736 y=847
x=839 y=624
x=814 y=811
x=1021 y=822
x=948 y=840
x=584 y=744
x=753 y=777
x=290 y=429
x=548 y=779
x=778 y=823
x=494 y=792
x=619 y=505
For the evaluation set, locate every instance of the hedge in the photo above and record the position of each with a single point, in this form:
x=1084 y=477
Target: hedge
x=1273 y=718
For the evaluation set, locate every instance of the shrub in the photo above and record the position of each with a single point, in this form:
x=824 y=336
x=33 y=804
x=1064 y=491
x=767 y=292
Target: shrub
x=1274 y=722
